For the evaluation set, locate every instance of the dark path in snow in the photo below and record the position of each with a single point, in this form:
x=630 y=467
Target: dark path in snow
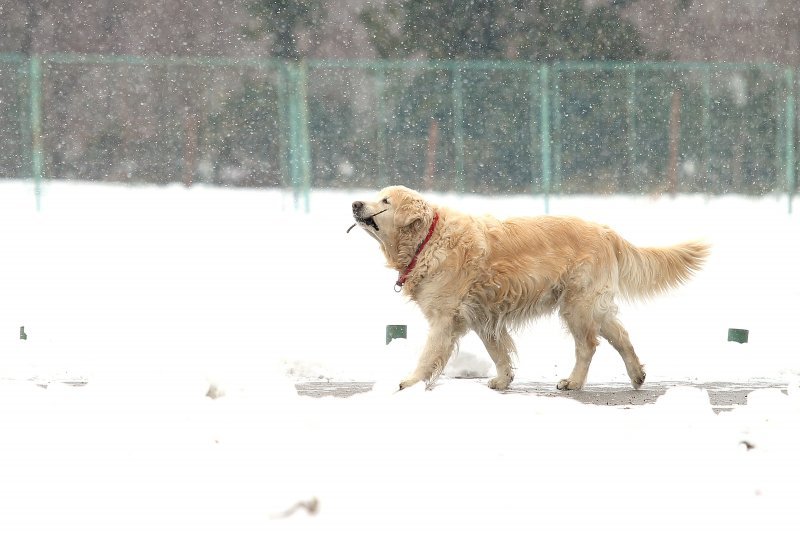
x=724 y=396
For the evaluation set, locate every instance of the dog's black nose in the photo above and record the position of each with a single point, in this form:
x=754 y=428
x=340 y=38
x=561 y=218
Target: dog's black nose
x=357 y=206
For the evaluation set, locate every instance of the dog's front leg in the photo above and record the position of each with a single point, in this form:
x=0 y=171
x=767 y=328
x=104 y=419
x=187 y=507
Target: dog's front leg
x=439 y=346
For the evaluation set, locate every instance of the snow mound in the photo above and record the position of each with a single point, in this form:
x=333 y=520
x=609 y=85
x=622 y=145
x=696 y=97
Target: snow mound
x=468 y=365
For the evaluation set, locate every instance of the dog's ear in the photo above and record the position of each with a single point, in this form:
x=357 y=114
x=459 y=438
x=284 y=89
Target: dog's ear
x=408 y=213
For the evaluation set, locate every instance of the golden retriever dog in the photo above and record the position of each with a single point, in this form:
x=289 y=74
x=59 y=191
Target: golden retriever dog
x=491 y=276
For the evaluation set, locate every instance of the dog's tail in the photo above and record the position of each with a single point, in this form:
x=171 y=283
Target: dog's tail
x=647 y=272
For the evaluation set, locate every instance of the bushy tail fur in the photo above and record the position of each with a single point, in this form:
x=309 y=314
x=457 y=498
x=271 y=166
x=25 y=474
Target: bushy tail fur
x=647 y=272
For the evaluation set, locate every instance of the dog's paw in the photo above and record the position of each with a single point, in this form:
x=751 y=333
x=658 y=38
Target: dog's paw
x=499 y=383
x=637 y=380
x=566 y=384
x=408 y=382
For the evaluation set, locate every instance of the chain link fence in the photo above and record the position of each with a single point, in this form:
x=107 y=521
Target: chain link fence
x=484 y=127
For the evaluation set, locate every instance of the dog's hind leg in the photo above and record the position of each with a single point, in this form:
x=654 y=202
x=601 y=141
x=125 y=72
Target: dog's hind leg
x=500 y=347
x=581 y=324
x=612 y=330
x=439 y=346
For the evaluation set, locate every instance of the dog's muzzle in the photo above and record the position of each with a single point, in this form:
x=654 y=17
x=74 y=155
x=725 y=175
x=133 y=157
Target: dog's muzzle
x=358 y=209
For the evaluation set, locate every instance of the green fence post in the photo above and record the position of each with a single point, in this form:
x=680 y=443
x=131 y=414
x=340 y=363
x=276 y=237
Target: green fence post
x=299 y=151
x=544 y=102
x=458 y=126
x=791 y=184
x=37 y=150
x=305 y=142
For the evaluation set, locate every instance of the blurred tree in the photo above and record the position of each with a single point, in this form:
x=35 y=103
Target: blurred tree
x=441 y=29
x=33 y=13
x=483 y=29
x=566 y=29
x=284 y=20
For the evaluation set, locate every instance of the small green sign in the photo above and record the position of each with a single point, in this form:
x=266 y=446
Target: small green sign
x=738 y=335
x=396 y=331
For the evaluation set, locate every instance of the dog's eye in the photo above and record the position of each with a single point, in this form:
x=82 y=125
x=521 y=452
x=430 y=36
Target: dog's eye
x=386 y=201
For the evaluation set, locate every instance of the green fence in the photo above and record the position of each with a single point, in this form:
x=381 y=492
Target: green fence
x=486 y=127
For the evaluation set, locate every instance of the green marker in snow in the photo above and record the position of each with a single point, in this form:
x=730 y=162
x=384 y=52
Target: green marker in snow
x=738 y=335
x=396 y=331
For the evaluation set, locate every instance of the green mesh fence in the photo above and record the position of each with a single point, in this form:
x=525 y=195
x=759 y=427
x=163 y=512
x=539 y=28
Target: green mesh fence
x=484 y=127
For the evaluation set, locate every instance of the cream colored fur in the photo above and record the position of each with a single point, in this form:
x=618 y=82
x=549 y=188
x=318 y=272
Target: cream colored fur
x=491 y=276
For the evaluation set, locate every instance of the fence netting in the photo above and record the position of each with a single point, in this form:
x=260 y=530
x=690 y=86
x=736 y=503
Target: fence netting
x=485 y=127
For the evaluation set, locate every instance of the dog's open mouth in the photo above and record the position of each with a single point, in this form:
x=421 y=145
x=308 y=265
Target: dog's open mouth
x=367 y=221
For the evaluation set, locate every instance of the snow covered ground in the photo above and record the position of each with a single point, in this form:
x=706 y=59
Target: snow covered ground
x=155 y=295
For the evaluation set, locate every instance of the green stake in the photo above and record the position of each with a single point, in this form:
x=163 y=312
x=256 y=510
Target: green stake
x=396 y=331
x=738 y=335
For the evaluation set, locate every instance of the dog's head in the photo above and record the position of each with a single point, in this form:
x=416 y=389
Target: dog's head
x=398 y=219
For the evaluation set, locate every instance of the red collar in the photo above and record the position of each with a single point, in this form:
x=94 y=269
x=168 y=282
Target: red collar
x=404 y=276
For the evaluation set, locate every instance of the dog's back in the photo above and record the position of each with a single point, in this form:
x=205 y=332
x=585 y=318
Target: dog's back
x=571 y=252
